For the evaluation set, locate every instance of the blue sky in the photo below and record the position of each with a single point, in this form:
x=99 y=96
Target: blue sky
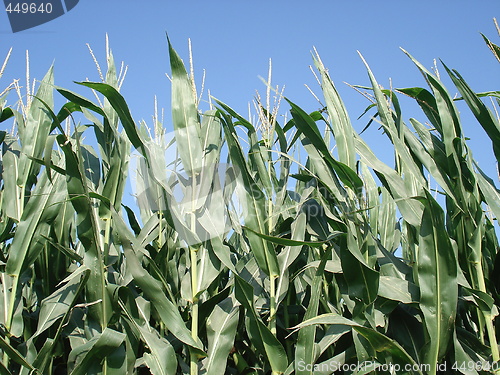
x=234 y=40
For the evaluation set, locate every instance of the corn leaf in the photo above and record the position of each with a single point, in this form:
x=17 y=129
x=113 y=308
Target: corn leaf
x=185 y=116
x=221 y=331
x=437 y=280
x=273 y=349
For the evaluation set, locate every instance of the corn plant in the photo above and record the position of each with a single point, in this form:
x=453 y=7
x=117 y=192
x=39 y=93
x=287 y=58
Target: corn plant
x=253 y=246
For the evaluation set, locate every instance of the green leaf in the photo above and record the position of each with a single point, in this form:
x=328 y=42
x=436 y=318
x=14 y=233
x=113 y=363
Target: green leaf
x=221 y=331
x=253 y=203
x=339 y=119
x=490 y=192
x=289 y=255
x=406 y=328
x=33 y=135
x=13 y=354
x=274 y=351
x=152 y=289
x=398 y=289
x=410 y=208
x=426 y=101
x=462 y=359
x=483 y=115
x=30 y=219
x=362 y=281
x=307 y=126
x=451 y=130
x=377 y=340
x=392 y=123
x=290 y=242
x=6 y=114
x=59 y=303
x=120 y=106
x=86 y=356
x=87 y=227
x=437 y=280
x=493 y=47
x=76 y=102
x=161 y=358
x=306 y=350
x=185 y=116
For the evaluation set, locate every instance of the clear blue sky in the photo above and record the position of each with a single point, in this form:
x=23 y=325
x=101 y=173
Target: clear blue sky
x=233 y=41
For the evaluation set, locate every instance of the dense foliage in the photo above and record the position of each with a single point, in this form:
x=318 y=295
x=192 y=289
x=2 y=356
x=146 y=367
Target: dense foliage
x=261 y=247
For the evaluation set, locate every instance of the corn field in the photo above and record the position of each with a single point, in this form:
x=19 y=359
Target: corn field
x=270 y=245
